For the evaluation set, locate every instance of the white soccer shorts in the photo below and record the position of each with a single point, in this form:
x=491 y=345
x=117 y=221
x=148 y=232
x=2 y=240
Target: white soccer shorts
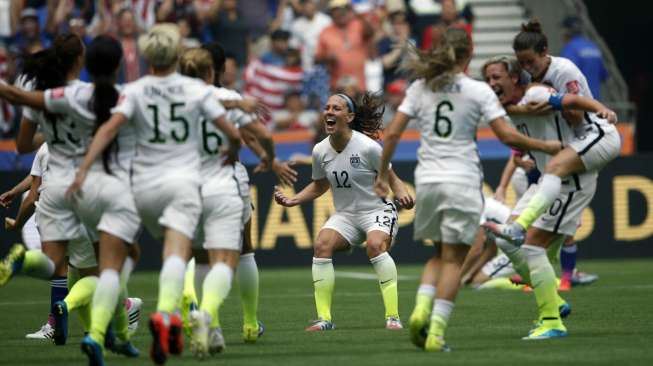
x=354 y=228
x=222 y=222
x=597 y=146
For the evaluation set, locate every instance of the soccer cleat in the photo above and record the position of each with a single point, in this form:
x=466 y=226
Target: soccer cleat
x=46 y=332
x=418 y=324
x=93 y=351
x=513 y=232
x=12 y=263
x=126 y=349
x=436 y=343
x=216 y=341
x=199 y=342
x=134 y=305
x=160 y=330
x=176 y=338
x=60 y=314
x=188 y=304
x=252 y=333
x=544 y=331
x=393 y=323
x=565 y=285
x=582 y=278
x=319 y=325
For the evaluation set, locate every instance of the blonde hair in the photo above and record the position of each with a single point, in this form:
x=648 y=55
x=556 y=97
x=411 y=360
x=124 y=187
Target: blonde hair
x=196 y=63
x=161 y=45
x=511 y=65
x=436 y=66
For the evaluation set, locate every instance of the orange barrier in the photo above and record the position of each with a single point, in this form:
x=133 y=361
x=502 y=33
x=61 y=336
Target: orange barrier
x=626 y=130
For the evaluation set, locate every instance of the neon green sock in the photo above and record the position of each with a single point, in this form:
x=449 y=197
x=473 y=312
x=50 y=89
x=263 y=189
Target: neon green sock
x=548 y=190
x=215 y=289
x=37 y=264
x=189 y=283
x=248 y=280
x=120 y=318
x=104 y=303
x=386 y=270
x=324 y=279
x=544 y=282
x=501 y=283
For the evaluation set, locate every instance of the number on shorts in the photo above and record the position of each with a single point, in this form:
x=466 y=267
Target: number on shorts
x=387 y=221
x=442 y=126
x=555 y=208
x=344 y=176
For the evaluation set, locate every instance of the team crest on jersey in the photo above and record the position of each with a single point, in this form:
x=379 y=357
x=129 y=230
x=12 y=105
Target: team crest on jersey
x=57 y=93
x=573 y=87
x=355 y=161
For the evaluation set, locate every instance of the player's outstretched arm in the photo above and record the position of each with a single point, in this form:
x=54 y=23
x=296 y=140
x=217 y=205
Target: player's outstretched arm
x=577 y=102
x=27 y=207
x=8 y=197
x=312 y=191
x=391 y=137
x=509 y=136
x=14 y=95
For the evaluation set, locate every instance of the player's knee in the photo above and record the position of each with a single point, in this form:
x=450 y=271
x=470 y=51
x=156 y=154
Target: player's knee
x=375 y=248
x=322 y=249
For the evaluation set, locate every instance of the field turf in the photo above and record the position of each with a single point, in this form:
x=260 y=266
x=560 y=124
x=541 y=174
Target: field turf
x=611 y=323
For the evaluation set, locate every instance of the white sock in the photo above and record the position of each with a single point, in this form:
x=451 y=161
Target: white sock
x=108 y=290
x=426 y=290
x=126 y=271
x=443 y=309
x=549 y=188
x=248 y=282
x=385 y=268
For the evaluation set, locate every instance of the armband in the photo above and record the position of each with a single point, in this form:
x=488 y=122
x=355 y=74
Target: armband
x=555 y=101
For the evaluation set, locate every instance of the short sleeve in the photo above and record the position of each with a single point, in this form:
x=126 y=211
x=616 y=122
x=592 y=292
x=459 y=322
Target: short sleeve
x=317 y=169
x=126 y=104
x=409 y=106
x=56 y=100
x=570 y=79
x=374 y=155
x=29 y=114
x=491 y=108
x=211 y=107
x=38 y=165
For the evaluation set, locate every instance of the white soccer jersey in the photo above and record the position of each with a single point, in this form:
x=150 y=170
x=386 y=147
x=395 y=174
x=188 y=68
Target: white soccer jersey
x=40 y=163
x=75 y=101
x=351 y=173
x=216 y=177
x=166 y=113
x=448 y=121
x=67 y=134
x=565 y=77
x=549 y=126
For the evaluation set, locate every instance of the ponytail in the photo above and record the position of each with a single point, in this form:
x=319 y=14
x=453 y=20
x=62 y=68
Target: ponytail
x=368 y=113
x=531 y=37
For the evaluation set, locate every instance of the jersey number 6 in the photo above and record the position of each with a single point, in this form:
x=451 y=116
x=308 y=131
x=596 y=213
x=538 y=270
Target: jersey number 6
x=442 y=126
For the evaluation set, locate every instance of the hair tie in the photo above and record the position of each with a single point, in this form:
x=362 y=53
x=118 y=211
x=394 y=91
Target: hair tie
x=350 y=102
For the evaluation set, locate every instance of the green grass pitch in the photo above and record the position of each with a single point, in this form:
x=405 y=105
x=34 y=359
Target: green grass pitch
x=611 y=323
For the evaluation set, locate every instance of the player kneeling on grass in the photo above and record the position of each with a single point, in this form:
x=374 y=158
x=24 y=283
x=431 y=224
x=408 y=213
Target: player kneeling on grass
x=347 y=162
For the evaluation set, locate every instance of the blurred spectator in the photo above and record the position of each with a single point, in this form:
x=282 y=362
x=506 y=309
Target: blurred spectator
x=180 y=11
x=343 y=46
x=584 y=53
x=230 y=29
x=394 y=95
x=306 y=30
x=449 y=18
x=278 y=48
x=133 y=65
x=373 y=70
x=348 y=85
x=271 y=81
x=294 y=115
x=29 y=38
x=6 y=110
x=394 y=48
x=230 y=75
x=7 y=24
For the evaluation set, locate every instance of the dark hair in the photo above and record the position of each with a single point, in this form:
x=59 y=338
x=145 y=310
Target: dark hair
x=219 y=57
x=531 y=37
x=436 y=66
x=102 y=60
x=368 y=114
x=48 y=68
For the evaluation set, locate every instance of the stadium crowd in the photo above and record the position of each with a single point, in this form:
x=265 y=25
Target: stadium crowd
x=288 y=53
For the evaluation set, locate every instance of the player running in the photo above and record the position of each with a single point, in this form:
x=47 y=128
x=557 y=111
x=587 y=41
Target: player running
x=347 y=162
x=448 y=106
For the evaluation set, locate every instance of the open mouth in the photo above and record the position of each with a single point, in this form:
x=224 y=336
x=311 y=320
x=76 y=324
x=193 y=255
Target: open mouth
x=330 y=121
x=498 y=91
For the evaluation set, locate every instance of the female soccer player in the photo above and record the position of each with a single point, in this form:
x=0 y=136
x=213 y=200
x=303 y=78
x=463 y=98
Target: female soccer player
x=598 y=140
x=448 y=106
x=347 y=161
x=165 y=109
x=562 y=219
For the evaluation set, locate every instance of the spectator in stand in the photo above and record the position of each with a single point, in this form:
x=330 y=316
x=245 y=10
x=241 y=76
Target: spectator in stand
x=449 y=18
x=133 y=65
x=278 y=49
x=343 y=46
x=29 y=38
x=275 y=74
x=230 y=29
x=394 y=48
x=306 y=30
x=184 y=11
x=7 y=111
x=394 y=95
x=294 y=115
x=585 y=54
